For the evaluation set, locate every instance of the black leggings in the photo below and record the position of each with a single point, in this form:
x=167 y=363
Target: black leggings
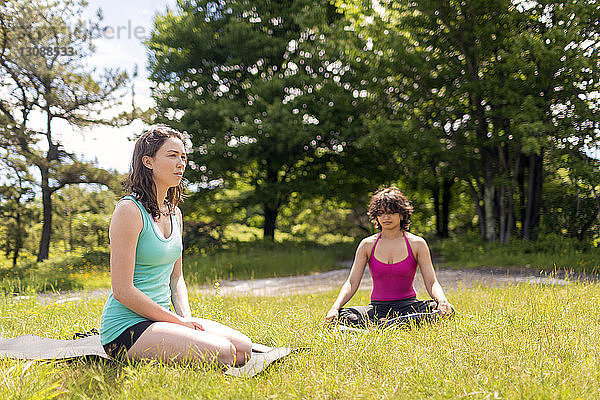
x=118 y=347
x=387 y=313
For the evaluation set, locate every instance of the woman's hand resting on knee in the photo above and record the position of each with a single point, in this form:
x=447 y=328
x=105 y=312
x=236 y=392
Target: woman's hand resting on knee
x=445 y=307
x=191 y=323
x=332 y=315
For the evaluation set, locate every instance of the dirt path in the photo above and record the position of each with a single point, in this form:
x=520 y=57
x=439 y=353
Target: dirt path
x=331 y=280
x=323 y=281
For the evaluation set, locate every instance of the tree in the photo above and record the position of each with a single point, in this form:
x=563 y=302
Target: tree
x=83 y=213
x=16 y=204
x=44 y=45
x=262 y=106
x=490 y=89
x=572 y=201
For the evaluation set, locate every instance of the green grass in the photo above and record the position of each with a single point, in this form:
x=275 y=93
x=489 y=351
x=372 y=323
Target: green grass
x=78 y=270
x=513 y=342
x=552 y=253
x=264 y=259
x=261 y=259
x=258 y=259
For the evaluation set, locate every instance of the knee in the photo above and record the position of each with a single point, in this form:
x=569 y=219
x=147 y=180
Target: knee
x=243 y=346
x=226 y=353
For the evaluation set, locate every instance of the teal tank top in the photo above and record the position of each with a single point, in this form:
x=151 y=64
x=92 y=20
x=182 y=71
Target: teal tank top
x=155 y=257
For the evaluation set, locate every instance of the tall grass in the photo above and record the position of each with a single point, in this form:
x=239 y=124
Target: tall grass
x=241 y=260
x=549 y=253
x=514 y=342
x=82 y=270
x=262 y=259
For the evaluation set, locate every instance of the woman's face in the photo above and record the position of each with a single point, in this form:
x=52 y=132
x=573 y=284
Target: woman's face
x=389 y=220
x=168 y=164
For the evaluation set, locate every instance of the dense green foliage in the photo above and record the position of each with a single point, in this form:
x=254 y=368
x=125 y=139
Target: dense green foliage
x=487 y=93
x=501 y=344
x=488 y=99
x=273 y=120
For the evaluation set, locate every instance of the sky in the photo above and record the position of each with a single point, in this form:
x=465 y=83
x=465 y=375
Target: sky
x=130 y=21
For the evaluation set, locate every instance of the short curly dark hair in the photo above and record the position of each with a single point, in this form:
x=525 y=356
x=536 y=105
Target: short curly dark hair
x=390 y=200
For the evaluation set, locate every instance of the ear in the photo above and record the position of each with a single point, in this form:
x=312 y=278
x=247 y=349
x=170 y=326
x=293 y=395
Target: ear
x=147 y=161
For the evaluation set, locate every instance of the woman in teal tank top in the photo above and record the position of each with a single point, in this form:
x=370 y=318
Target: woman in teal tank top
x=148 y=315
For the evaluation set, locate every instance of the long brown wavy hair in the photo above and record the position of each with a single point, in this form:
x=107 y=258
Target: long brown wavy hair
x=140 y=183
x=390 y=200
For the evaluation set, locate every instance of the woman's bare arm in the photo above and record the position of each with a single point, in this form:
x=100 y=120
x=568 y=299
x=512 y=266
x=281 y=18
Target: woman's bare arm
x=351 y=284
x=179 y=293
x=433 y=287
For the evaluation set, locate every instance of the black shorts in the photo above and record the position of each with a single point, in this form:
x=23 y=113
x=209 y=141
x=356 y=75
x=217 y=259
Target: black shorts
x=377 y=312
x=118 y=347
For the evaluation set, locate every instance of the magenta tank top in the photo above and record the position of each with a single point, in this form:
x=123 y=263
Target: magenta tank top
x=393 y=281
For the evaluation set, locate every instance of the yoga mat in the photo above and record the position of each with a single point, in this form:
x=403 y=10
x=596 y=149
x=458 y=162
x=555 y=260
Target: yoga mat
x=32 y=347
x=259 y=362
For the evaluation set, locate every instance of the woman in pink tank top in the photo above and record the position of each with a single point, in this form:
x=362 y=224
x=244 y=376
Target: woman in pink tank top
x=393 y=256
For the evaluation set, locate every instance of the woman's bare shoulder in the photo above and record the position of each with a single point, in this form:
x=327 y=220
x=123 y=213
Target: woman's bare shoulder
x=368 y=242
x=127 y=213
x=179 y=216
x=126 y=207
x=415 y=240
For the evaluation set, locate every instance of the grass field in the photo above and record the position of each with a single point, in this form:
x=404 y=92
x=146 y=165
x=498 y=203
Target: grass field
x=265 y=260
x=259 y=259
x=514 y=342
x=262 y=259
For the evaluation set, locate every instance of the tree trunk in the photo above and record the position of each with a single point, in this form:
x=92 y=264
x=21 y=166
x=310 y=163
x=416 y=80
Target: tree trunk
x=502 y=213
x=446 y=198
x=15 y=256
x=435 y=192
x=18 y=239
x=510 y=218
x=47 y=213
x=587 y=225
x=534 y=197
x=269 y=224
x=478 y=209
x=521 y=183
x=488 y=204
x=70 y=215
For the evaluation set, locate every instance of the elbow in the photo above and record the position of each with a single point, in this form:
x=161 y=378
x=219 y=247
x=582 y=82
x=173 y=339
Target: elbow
x=117 y=296
x=352 y=286
x=174 y=281
x=121 y=294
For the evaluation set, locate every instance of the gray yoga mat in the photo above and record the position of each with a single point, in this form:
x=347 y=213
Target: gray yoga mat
x=32 y=347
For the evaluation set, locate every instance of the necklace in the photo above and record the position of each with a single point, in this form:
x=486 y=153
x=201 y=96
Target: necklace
x=165 y=213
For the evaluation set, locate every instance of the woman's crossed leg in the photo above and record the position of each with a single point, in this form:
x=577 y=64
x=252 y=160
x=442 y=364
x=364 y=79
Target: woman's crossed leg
x=216 y=343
